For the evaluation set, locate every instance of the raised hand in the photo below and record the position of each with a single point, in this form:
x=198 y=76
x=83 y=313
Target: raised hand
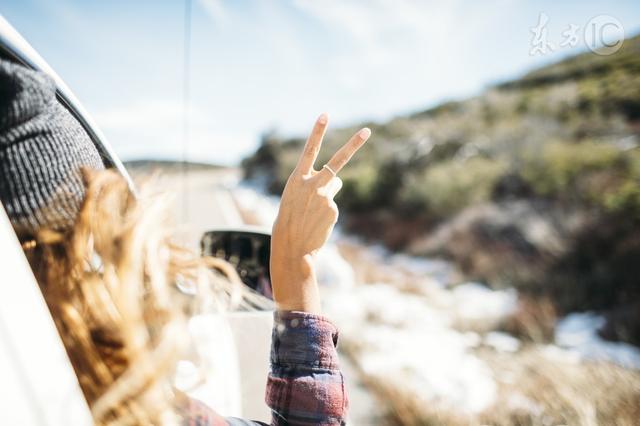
x=305 y=220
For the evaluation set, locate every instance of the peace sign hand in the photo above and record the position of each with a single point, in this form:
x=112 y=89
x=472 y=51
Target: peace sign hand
x=305 y=220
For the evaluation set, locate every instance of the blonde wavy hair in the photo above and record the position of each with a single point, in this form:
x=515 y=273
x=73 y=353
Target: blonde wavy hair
x=113 y=285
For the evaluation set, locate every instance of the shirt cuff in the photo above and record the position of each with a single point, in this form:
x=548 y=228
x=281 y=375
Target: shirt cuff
x=304 y=340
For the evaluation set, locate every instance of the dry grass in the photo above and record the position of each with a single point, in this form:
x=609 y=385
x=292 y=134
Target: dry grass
x=364 y=269
x=534 y=320
x=404 y=408
x=536 y=390
x=368 y=268
x=533 y=391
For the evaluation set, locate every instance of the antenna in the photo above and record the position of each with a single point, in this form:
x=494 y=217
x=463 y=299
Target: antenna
x=186 y=75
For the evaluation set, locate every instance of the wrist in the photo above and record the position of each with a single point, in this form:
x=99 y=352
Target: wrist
x=294 y=283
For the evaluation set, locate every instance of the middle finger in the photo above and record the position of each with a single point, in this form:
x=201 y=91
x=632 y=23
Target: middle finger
x=344 y=154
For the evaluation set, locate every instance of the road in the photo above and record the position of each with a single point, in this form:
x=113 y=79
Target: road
x=204 y=202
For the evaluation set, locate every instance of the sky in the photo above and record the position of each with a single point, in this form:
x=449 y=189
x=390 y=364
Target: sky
x=275 y=65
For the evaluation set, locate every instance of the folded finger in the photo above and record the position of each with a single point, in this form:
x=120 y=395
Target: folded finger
x=333 y=187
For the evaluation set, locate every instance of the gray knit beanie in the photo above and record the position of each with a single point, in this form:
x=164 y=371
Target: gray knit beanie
x=42 y=148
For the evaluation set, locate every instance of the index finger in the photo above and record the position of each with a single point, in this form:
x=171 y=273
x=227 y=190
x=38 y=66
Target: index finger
x=312 y=147
x=344 y=154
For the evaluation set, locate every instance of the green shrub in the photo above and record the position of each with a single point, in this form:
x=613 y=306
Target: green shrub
x=358 y=187
x=598 y=174
x=626 y=197
x=557 y=165
x=448 y=187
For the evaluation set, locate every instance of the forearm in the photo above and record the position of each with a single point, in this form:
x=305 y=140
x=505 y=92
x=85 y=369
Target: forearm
x=305 y=386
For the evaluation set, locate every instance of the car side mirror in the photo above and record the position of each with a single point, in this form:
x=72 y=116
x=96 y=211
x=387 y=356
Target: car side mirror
x=247 y=251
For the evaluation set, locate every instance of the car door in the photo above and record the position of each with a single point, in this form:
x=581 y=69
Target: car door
x=38 y=385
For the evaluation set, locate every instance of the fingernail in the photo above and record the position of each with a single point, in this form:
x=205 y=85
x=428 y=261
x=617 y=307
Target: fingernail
x=323 y=118
x=364 y=133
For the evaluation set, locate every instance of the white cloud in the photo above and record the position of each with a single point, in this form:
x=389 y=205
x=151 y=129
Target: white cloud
x=379 y=27
x=428 y=39
x=215 y=9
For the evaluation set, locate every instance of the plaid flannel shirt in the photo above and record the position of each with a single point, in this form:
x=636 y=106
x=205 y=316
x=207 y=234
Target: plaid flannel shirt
x=305 y=385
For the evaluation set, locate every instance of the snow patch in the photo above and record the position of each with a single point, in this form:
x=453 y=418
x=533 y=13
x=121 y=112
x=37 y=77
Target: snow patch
x=409 y=345
x=579 y=332
x=502 y=342
x=475 y=301
x=332 y=269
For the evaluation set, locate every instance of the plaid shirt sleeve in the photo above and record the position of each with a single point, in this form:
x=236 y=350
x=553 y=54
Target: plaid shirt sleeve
x=305 y=385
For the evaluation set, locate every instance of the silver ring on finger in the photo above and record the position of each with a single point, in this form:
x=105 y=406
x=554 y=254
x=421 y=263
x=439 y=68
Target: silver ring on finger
x=326 y=166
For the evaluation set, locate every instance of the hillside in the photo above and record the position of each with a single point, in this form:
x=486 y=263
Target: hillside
x=167 y=166
x=534 y=184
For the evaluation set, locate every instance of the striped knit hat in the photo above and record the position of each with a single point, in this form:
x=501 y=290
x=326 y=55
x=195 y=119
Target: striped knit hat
x=42 y=148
